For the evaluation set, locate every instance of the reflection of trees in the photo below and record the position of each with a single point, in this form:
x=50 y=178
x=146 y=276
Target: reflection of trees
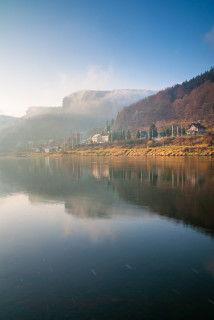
x=180 y=189
x=65 y=180
x=39 y=176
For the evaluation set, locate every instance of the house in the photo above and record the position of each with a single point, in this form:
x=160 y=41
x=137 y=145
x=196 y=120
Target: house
x=105 y=138
x=196 y=128
x=143 y=134
x=49 y=149
x=97 y=138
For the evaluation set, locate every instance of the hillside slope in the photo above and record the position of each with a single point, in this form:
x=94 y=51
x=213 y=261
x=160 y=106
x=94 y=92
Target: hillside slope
x=80 y=112
x=6 y=121
x=43 y=127
x=191 y=101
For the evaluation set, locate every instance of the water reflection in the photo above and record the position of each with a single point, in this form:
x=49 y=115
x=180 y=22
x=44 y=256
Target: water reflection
x=106 y=238
x=181 y=189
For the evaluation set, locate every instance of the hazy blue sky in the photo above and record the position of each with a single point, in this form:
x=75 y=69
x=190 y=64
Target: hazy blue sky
x=49 y=49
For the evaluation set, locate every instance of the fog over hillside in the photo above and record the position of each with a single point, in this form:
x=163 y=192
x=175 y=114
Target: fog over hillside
x=6 y=121
x=103 y=104
x=80 y=112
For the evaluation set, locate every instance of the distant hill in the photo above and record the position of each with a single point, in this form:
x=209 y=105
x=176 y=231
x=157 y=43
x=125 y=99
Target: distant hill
x=81 y=111
x=190 y=101
x=37 y=111
x=43 y=128
x=6 y=121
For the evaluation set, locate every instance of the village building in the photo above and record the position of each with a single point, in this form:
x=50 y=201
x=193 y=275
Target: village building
x=143 y=134
x=105 y=138
x=196 y=128
x=98 y=138
x=49 y=149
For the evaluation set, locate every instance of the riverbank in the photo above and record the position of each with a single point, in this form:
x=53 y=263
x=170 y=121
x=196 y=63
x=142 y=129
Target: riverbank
x=182 y=146
x=139 y=151
x=177 y=146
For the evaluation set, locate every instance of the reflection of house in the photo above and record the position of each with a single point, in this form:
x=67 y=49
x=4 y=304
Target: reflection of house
x=98 y=138
x=143 y=134
x=99 y=171
x=196 y=128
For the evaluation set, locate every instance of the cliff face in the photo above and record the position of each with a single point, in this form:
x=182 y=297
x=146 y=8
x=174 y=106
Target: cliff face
x=190 y=101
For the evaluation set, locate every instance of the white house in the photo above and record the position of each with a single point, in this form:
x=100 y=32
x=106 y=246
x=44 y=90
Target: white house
x=196 y=128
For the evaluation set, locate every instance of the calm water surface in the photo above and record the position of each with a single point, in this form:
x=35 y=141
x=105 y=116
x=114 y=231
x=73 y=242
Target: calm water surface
x=106 y=238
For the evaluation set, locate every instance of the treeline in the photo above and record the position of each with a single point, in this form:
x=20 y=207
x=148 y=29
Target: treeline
x=199 y=80
x=167 y=131
x=174 y=130
x=119 y=135
x=189 y=102
x=193 y=83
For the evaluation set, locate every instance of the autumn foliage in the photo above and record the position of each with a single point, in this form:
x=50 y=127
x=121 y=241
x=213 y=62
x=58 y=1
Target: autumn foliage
x=191 y=101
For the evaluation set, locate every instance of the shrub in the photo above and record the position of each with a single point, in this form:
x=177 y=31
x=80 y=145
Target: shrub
x=150 y=143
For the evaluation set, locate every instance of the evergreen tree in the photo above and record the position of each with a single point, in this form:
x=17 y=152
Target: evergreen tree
x=138 y=134
x=128 y=136
x=109 y=137
x=123 y=135
x=107 y=126
x=119 y=135
x=167 y=132
x=153 y=132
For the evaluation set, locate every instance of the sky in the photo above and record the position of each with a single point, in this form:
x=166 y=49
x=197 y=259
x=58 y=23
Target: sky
x=49 y=49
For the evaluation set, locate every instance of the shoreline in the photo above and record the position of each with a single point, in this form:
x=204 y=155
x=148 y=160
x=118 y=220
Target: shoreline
x=196 y=146
x=119 y=151
x=139 y=151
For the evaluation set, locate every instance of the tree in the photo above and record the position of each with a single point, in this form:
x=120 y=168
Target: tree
x=109 y=137
x=123 y=135
x=168 y=132
x=114 y=136
x=119 y=135
x=107 y=126
x=138 y=134
x=163 y=133
x=128 y=136
x=153 y=132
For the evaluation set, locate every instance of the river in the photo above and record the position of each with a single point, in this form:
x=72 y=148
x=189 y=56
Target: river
x=103 y=238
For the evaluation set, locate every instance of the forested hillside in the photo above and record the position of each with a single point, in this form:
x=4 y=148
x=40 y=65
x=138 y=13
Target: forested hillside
x=190 y=101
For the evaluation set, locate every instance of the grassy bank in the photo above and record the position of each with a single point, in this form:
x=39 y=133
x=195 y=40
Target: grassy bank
x=142 y=151
x=178 y=146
